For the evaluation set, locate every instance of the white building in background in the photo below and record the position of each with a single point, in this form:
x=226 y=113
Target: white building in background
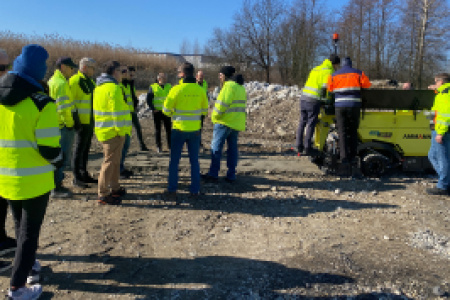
x=199 y=61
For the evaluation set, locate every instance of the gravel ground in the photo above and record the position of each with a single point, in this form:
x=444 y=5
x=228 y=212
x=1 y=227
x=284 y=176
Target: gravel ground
x=282 y=231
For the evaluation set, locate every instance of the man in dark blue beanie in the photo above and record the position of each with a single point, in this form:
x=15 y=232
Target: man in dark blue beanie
x=29 y=151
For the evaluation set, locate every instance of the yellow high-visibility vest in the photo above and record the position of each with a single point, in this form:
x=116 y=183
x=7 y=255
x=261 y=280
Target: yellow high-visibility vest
x=442 y=108
x=82 y=88
x=127 y=96
x=186 y=103
x=160 y=94
x=24 y=173
x=230 y=107
x=317 y=80
x=111 y=114
x=59 y=90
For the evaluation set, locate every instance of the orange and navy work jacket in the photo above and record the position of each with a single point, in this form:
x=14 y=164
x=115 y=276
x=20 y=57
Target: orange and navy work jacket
x=346 y=84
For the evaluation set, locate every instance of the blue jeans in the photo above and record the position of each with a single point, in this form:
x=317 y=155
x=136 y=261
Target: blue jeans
x=66 y=142
x=125 y=148
x=222 y=133
x=439 y=156
x=178 y=138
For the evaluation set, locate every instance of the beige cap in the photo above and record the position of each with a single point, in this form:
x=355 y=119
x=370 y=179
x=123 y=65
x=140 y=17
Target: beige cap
x=87 y=61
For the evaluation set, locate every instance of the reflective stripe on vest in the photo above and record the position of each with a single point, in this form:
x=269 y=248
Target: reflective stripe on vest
x=112 y=113
x=348 y=99
x=186 y=111
x=26 y=171
x=442 y=122
x=63 y=106
x=221 y=103
x=62 y=99
x=236 y=109
x=347 y=89
x=17 y=144
x=306 y=88
x=186 y=118
x=109 y=124
x=84 y=111
x=47 y=132
x=83 y=101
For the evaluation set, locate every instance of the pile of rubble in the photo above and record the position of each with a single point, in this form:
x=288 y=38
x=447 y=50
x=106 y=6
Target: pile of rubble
x=272 y=109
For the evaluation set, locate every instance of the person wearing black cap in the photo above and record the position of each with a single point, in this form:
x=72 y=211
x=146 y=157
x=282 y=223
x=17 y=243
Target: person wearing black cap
x=314 y=94
x=229 y=118
x=67 y=117
x=27 y=151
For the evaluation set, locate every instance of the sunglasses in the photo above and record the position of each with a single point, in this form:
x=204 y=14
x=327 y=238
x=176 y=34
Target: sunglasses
x=124 y=71
x=5 y=67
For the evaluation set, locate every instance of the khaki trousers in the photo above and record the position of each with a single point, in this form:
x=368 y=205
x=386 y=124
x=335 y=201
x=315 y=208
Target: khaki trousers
x=110 y=171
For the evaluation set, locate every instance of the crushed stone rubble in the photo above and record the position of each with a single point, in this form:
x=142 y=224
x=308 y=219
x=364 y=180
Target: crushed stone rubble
x=430 y=241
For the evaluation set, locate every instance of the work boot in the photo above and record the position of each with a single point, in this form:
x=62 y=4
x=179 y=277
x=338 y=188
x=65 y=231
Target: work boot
x=119 y=193
x=125 y=174
x=109 y=200
x=79 y=184
x=86 y=178
x=344 y=170
x=60 y=192
x=170 y=196
x=437 y=192
x=208 y=178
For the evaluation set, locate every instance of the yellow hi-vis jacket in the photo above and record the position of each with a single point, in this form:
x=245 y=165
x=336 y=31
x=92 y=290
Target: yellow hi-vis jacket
x=60 y=91
x=442 y=108
x=24 y=172
x=186 y=103
x=230 y=107
x=317 y=80
x=82 y=88
x=127 y=96
x=160 y=94
x=111 y=114
x=204 y=85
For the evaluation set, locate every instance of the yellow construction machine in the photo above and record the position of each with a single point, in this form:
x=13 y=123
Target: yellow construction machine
x=394 y=132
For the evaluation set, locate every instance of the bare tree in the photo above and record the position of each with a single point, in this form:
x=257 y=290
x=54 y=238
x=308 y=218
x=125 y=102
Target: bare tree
x=256 y=26
x=185 y=47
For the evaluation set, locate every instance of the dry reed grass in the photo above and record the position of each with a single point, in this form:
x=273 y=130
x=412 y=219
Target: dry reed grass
x=147 y=67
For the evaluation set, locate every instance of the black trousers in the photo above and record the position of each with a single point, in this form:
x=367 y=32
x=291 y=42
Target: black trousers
x=347 y=121
x=201 y=128
x=158 y=118
x=81 y=146
x=309 y=116
x=28 y=216
x=137 y=127
x=3 y=213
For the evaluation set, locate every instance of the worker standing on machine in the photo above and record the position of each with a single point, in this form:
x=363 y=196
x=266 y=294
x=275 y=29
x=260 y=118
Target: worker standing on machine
x=346 y=83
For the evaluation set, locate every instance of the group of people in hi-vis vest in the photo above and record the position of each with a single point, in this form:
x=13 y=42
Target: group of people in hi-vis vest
x=47 y=126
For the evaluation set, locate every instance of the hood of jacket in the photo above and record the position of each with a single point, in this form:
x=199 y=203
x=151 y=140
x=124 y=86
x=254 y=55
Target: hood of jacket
x=105 y=78
x=327 y=64
x=14 y=89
